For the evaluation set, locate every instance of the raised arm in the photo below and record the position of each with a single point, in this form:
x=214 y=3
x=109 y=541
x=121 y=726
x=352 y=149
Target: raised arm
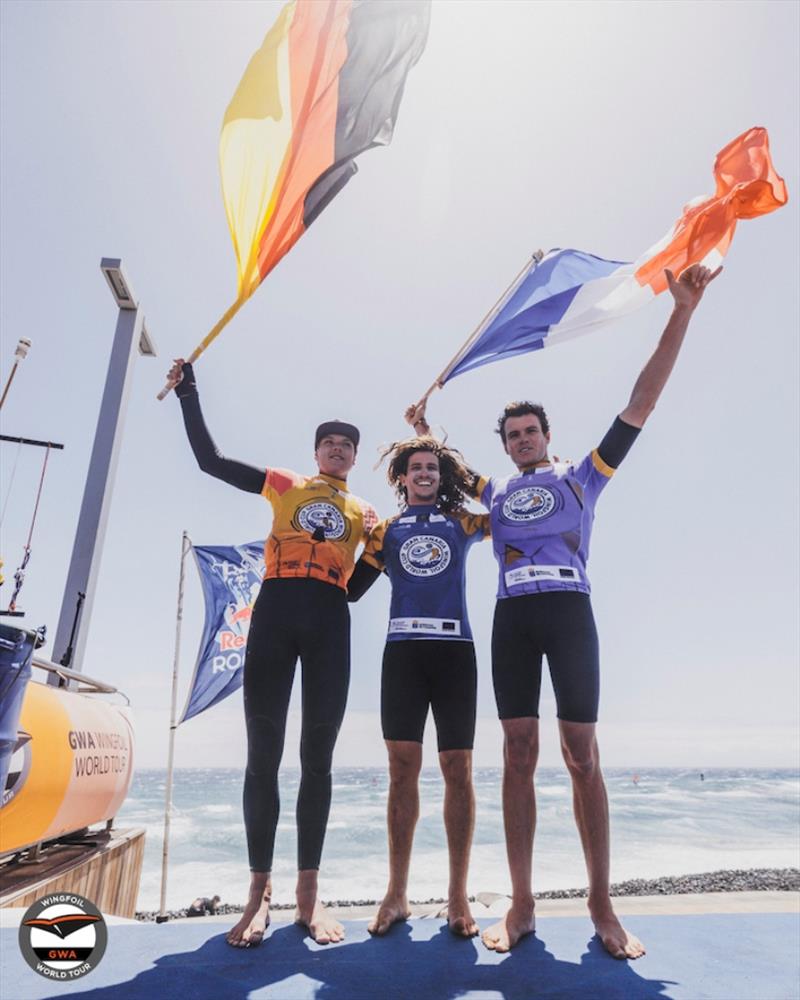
x=243 y=477
x=415 y=415
x=687 y=292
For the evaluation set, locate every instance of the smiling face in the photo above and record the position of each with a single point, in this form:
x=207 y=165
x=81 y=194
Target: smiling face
x=421 y=480
x=525 y=441
x=335 y=455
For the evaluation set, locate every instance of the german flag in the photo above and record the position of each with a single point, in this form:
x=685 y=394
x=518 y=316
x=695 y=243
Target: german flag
x=325 y=85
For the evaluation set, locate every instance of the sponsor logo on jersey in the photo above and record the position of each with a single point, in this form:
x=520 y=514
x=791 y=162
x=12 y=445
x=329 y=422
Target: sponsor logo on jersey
x=529 y=504
x=320 y=514
x=424 y=555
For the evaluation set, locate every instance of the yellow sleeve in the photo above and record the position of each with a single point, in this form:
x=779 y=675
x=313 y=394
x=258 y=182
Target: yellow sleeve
x=373 y=550
x=475 y=524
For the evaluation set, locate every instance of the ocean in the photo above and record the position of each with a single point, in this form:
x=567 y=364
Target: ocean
x=663 y=822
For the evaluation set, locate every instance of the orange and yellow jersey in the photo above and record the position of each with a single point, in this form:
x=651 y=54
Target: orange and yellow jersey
x=317 y=526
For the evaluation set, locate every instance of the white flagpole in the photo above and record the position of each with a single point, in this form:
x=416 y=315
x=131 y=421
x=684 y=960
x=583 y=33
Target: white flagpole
x=162 y=915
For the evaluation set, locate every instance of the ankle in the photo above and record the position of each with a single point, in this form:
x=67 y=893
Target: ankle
x=397 y=892
x=523 y=901
x=599 y=904
x=261 y=883
x=307 y=880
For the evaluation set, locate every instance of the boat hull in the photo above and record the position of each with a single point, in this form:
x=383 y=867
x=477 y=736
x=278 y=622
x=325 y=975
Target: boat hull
x=72 y=769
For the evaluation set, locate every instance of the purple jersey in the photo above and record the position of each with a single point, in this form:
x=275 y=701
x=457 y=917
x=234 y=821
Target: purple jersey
x=541 y=523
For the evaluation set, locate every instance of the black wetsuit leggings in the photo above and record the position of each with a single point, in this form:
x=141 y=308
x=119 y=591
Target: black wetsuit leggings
x=293 y=618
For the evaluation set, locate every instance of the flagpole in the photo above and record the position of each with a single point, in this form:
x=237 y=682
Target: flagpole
x=162 y=915
x=487 y=319
x=212 y=335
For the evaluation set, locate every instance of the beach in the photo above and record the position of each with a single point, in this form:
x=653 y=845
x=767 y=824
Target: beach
x=672 y=832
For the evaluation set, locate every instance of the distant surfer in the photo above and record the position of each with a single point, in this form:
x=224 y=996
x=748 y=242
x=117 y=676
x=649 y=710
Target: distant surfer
x=541 y=519
x=301 y=611
x=428 y=660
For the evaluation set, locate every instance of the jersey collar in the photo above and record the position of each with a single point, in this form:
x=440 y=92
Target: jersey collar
x=545 y=466
x=339 y=484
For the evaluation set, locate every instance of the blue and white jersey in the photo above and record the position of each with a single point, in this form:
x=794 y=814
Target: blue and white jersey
x=424 y=552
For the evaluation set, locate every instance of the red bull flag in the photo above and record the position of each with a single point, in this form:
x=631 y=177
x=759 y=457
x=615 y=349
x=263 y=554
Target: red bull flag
x=566 y=293
x=231 y=577
x=325 y=85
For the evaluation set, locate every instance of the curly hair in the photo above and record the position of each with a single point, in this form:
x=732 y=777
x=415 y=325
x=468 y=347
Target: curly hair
x=522 y=409
x=456 y=480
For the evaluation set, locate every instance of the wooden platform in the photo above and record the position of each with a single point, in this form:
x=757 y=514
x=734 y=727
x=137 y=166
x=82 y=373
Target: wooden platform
x=103 y=866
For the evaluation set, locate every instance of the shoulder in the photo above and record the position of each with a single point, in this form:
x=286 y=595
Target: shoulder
x=473 y=524
x=368 y=512
x=373 y=550
x=592 y=467
x=280 y=481
x=378 y=533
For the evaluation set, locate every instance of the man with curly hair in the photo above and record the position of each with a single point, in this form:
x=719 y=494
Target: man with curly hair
x=429 y=658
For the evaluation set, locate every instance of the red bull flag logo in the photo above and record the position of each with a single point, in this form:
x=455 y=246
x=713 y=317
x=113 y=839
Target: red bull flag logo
x=567 y=293
x=231 y=576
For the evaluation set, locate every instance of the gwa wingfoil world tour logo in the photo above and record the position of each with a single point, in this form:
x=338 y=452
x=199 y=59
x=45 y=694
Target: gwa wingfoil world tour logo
x=63 y=936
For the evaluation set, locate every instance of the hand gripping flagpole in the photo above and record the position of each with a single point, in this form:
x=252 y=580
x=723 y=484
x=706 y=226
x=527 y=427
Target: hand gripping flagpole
x=489 y=318
x=162 y=914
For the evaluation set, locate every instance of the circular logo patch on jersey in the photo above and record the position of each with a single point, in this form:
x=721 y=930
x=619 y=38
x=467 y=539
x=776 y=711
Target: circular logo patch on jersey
x=425 y=555
x=320 y=514
x=529 y=504
x=63 y=936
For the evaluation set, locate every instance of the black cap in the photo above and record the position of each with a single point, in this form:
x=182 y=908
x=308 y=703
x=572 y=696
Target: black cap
x=337 y=427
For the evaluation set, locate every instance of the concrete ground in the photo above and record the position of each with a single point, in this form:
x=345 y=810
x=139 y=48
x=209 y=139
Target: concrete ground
x=716 y=946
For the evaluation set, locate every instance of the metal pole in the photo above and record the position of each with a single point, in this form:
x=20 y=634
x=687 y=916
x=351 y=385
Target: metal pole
x=85 y=562
x=162 y=915
x=19 y=355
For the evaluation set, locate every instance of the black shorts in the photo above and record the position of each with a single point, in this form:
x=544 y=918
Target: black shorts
x=558 y=625
x=441 y=673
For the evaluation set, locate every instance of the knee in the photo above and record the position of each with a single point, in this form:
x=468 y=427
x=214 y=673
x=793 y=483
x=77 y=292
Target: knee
x=456 y=768
x=520 y=753
x=264 y=746
x=582 y=761
x=404 y=766
x=316 y=750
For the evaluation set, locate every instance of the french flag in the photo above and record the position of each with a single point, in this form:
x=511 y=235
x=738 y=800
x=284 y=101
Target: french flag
x=566 y=293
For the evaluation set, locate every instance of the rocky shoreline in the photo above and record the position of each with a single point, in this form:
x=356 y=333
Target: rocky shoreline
x=737 y=880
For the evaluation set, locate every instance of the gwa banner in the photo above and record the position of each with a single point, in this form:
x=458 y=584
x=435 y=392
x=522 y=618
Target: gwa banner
x=231 y=576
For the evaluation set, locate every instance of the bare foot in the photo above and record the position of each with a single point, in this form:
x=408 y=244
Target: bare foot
x=322 y=927
x=459 y=918
x=518 y=922
x=251 y=928
x=393 y=910
x=616 y=940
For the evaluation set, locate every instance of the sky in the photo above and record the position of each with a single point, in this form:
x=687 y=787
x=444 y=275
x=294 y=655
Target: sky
x=524 y=126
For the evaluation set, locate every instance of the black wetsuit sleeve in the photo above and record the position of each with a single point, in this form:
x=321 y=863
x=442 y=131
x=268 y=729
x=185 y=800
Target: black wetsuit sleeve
x=617 y=443
x=243 y=477
x=362 y=579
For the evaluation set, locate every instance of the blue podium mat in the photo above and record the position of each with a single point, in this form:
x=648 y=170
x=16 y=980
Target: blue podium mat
x=692 y=957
